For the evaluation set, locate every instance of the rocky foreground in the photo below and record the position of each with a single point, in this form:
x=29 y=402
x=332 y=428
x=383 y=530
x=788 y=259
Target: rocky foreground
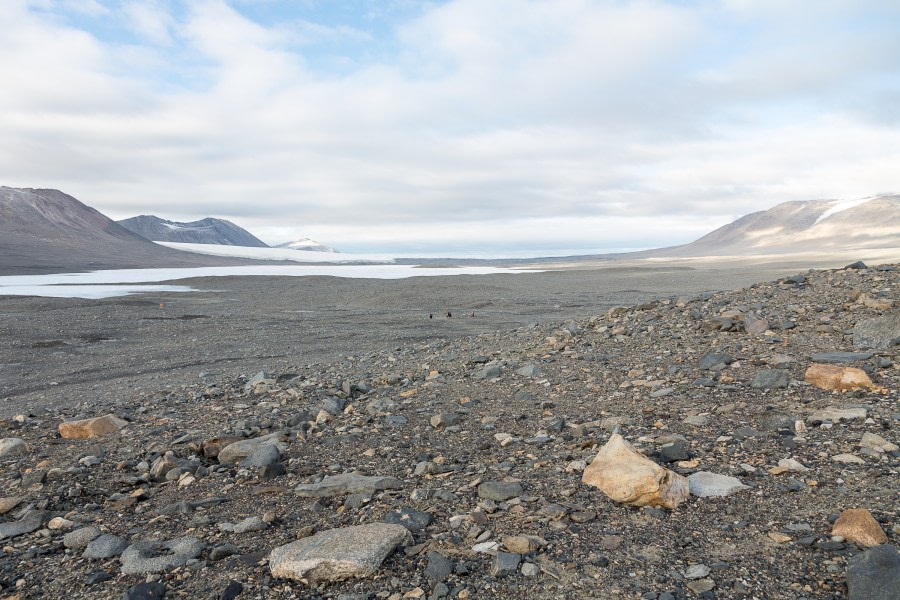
x=730 y=445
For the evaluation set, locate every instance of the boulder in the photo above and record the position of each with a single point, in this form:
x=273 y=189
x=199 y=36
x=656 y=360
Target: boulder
x=338 y=554
x=842 y=379
x=874 y=574
x=12 y=447
x=627 y=476
x=91 y=428
x=770 y=379
x=238 y=451
x=860 y=527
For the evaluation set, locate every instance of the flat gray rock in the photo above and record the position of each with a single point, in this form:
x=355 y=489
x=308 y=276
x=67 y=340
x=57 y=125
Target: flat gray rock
x=704 y=484
x=26 y=525
x=105 y=546
x=880 y=332
x=156 y=557
x=338 y=554
x=264 y=456
x=770 y=379
x=874 y=574
x=840 y=357
x=837 y=414
x=530 y=371
x=499 y=490
x=347 y=483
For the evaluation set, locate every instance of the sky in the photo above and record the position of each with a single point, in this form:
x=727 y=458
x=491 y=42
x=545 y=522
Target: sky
x=408 y=126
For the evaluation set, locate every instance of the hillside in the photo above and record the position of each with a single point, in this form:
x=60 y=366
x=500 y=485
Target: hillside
x=204 y=231
x=45 y=231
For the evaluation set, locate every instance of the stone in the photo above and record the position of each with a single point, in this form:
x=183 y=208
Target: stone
x=704 y=484
x=414 y=520
x=500 y=490
x=213 y=446
x=860 y=527
x=869 y=440
x=26 y=524
x=223 y=551
x=840 y=357
x=836 y=415
x=842 y=379
x=9 y=503
x=770 y=379
x=674 y=452
x=261 y=378
x=105 y=546
x=627 y=476
x=145 y=591
x=874 y=574
x=754 y=326
x=530 y=570
x=338 y=554
x=12 y=447
x=250 y=524
x=880 y=332
x=439 y=566
x=505 y=563
x=91 y=428
x=530 y=370
x=97 y=577
x=156 y=557
x=347 y=483
x=444 y=419
x=238 y=451
x=488 y=372
x=696 y=572
x=848 y=459
x=265 y=455
x=81 y=537
x=232 y=590
x=523 y=544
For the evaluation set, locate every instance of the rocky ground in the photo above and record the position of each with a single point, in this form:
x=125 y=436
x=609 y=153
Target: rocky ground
x=436 y=466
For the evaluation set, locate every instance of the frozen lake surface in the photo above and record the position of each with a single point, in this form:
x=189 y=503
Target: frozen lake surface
x=106 y=284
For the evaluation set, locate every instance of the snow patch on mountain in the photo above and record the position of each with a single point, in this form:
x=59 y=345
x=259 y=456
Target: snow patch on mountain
x=840 y=206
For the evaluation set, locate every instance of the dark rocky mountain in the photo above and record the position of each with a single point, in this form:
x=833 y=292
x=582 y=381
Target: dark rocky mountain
x=204 y=231
x=802 y=226
x=47 y=231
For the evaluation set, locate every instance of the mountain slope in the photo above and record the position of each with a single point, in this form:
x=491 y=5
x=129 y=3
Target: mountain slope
x=306 y=244
x=45 y=231
x=800 y=226
x=204 y=231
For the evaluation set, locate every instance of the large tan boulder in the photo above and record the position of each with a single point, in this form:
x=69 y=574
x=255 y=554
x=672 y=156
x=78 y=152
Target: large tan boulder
x=842 y=379
x=859 y=526
x=91 y=428
x=627 y=476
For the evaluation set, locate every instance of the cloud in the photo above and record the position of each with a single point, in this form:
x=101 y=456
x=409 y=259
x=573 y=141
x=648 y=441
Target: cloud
x=566 y=124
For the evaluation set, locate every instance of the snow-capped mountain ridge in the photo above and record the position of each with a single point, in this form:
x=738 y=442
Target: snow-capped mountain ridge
x=204 y=231
x=306 y=244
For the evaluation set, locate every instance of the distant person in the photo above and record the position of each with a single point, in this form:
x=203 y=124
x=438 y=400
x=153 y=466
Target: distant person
x=449 y=314
x=473 y=314
x=430 y=315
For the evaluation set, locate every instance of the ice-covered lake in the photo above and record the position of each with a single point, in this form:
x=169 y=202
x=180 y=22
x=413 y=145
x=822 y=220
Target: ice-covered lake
x=106 y=284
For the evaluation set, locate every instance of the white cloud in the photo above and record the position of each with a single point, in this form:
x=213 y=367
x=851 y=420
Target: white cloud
x=625 y=123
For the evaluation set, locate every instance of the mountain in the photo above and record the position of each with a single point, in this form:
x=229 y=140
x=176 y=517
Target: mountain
x=801 y=226
x=47 y=231
x=307 y=245
x=204 y=231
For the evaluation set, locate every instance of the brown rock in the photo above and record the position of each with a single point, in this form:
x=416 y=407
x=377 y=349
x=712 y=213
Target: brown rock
x=91 y=428
x=9 y=503
x=842 y=379
x=212 y=447
x=859 y=526
x=627 y=476
x=523 y=544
